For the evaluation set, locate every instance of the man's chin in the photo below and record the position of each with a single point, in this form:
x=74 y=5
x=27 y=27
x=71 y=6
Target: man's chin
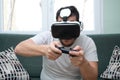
x=66 y=45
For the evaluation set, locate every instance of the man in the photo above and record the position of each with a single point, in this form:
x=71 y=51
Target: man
x=80 y=63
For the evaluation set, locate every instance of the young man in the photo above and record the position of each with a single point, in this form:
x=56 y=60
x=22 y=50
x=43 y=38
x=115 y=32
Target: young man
x=57 y=65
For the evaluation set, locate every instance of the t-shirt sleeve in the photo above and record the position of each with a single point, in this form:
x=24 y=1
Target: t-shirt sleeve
x=43 y=38
x=91 y=50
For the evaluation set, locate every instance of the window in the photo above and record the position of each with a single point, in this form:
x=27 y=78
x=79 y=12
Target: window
x=22 y=15
x=38 y=15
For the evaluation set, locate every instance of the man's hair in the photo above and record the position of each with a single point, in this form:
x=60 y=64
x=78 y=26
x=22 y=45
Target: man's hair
x=74 y=12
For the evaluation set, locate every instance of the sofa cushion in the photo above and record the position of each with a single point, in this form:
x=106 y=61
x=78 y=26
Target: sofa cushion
x=113 y=69
x=10 y=66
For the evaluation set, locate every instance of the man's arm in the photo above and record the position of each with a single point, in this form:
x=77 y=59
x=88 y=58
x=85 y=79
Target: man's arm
x=88 y=69
x=29 y=48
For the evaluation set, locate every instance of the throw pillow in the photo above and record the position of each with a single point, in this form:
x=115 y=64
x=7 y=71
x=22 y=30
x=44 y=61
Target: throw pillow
x=10 y=66
x=112 y=71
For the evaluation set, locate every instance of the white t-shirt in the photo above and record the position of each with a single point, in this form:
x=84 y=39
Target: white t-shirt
x=62 y=69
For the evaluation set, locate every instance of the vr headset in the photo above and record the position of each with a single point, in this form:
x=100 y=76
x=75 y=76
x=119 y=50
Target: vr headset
x=66 y=29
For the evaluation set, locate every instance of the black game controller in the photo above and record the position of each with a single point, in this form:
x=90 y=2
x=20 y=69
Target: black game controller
x=66 y=51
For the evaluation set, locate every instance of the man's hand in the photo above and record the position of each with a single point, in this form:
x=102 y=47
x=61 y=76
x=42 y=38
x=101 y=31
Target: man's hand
x=52 y=51
x=88 y=69
x=77 y=56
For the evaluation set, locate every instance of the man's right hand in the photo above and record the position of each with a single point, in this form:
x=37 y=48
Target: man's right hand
x=52 y=51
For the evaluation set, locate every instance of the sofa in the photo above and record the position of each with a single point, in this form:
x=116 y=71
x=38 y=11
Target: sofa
x=104 y=42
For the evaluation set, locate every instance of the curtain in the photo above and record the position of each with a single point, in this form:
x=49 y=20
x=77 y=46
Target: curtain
x=8 y=6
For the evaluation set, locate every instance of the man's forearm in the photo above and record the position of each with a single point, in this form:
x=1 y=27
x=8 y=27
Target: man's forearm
x=28 y=48
x=89 y=70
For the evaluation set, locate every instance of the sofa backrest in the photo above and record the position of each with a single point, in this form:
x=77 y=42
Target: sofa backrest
x=105 y=44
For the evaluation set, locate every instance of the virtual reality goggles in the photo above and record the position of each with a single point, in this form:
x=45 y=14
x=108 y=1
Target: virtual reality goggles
x=66 y=30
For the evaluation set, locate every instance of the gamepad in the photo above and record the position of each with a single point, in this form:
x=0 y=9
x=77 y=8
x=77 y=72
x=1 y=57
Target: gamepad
x=64 y=50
